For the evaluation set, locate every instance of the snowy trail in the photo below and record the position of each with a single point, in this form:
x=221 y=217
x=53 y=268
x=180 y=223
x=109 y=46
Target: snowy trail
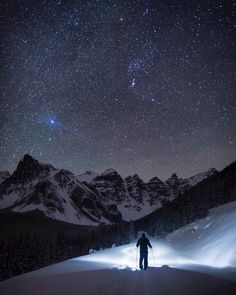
x=199 y=258
x=112 y=271
x=162 y=281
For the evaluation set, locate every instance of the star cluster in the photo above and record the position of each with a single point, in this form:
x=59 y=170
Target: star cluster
x=145 y=87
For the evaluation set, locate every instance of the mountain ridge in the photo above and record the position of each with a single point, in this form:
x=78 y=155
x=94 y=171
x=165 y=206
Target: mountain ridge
x=89 y=198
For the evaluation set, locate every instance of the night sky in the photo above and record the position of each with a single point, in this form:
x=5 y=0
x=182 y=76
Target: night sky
x=145 y=87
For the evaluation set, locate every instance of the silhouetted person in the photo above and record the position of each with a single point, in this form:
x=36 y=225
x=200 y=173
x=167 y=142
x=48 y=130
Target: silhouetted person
x=143 y=243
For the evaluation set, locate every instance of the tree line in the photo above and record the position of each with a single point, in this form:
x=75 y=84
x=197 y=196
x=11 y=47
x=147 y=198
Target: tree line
x=27 y=251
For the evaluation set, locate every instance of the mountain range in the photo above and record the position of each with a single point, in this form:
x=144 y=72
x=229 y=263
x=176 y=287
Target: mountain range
x=89 y=198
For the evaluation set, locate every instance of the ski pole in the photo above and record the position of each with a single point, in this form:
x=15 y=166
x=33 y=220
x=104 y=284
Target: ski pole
x=137 y=258
x=153 y=258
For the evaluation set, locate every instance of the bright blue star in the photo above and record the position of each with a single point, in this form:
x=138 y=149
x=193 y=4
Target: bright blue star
x=50 y=120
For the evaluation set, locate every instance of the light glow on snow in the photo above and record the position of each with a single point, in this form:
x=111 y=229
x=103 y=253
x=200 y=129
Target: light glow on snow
x=209 y=241
x=128 y=256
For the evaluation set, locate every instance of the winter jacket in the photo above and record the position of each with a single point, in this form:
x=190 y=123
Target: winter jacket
x=144 y=243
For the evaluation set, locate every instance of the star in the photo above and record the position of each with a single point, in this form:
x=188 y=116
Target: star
x=87 y=79
x=133 y=82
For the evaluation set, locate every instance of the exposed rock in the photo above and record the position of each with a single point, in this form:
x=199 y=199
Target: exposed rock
x=88 y=198
x=4 y=175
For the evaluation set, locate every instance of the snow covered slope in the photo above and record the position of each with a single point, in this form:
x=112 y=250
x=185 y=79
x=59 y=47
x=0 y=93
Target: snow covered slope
x=74 y=277
x=211 y=240
x=176 y=265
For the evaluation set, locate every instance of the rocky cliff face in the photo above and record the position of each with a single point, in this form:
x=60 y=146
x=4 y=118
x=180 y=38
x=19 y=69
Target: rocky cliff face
x=57 y=193
x=88 y=199
x=136 y=198
x=4 y=175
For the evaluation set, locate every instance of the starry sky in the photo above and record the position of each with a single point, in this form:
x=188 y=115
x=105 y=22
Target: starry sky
x=145 y=87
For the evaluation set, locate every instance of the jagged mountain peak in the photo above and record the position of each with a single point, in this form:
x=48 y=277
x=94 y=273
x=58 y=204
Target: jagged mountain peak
x=109 y=171
x=174 y=175
x=28 y=160
x=155 y=179
x=173 y=179
x=137 y=178
x=29 y=168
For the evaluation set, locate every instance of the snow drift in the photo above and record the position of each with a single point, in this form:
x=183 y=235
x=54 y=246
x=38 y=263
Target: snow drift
x=211 y=240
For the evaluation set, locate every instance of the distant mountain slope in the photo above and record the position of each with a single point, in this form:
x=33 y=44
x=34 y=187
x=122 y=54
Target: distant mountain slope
x=90 y=198
x=133 y=196
x=218 y=189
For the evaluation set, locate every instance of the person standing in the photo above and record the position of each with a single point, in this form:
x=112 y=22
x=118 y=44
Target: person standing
x=143 y=243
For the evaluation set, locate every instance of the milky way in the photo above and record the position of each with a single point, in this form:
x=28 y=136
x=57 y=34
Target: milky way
x=144 y=87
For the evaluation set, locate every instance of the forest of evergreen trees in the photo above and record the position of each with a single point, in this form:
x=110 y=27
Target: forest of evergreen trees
x=27 y=252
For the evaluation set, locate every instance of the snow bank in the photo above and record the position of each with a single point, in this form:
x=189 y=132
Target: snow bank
x=211 y=240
